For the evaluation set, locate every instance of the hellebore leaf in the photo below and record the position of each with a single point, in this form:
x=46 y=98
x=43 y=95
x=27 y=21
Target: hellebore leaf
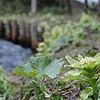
x=46 y=67
x=40 y=66
x=26 y=69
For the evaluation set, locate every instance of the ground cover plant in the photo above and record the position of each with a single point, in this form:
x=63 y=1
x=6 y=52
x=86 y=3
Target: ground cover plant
x=82 y=74
x=6 y=88
x=62 y=35
x=86 y=71
x=40 y=69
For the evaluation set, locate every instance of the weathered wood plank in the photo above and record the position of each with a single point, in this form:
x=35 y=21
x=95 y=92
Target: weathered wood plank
x=34 y=42
x=28 y=34
x=2 y=29
x=22 y=32
x=14 y=30
x=8 y=30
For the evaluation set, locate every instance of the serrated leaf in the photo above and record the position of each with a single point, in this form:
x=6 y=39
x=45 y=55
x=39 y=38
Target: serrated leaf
x=46 y=67
x=26 y=69
x=42 y=66
x=39 y=63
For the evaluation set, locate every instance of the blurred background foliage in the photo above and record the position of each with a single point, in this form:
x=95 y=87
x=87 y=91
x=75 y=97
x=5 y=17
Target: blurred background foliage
x=24 y=6
x=19 y=6
x=14 y=6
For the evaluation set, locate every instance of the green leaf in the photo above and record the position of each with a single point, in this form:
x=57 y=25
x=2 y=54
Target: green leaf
x=73 y=63
x=99 y=89
x=86 y=99
x=5 y=87
x=38 y=91
x=74 y=75
x=56 y=96
x=26 y=97
x=41 y=66
x=74 y=72
x=46 y=67
x=8 y=92
x=26 y=69
x=71 y=60
x=97 y=57
x=70 y=76
x=80 y=57
x=40 y=62
x=60 y=42
x=44 y=88
x=88 y=91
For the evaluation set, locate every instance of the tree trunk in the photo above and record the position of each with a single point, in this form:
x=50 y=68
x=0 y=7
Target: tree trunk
x=33 y=6
x=86 y=6
x=69 y=6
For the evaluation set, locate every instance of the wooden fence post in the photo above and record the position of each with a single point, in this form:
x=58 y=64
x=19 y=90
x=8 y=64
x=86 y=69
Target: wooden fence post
x=14 y=30
x=34 y=42
x=28 y=34
x=8 y=30
x=22 y=32
x=2 y=29
x=1 y=24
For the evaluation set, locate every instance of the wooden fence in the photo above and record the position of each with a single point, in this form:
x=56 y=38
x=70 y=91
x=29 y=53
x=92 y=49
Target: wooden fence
x=23 y=33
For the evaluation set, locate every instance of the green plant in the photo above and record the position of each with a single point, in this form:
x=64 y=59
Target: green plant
x=86 y=71
x=95 y=26
x=61 y=36
x=43 y=49
x=40 y=69
x=85 y=18
x=44 y=25
x=5 y=86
